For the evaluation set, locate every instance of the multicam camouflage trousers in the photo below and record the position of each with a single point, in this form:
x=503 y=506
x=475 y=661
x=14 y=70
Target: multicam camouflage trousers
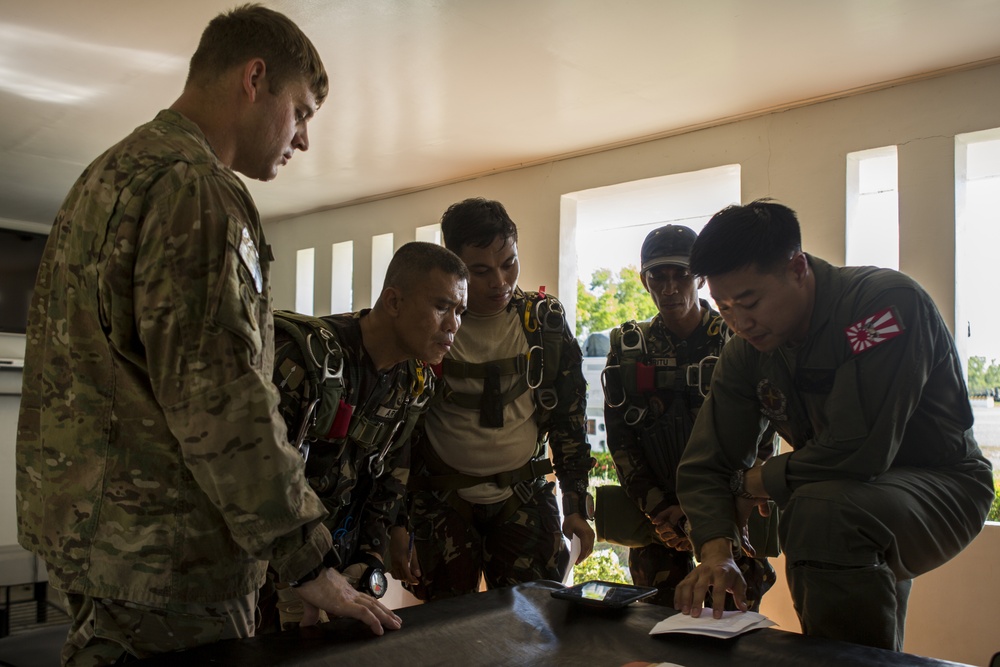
x=662 y=567
x=457 y=542
x=111 y=632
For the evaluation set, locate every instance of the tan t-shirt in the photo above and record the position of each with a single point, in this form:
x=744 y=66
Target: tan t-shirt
x=454 y=432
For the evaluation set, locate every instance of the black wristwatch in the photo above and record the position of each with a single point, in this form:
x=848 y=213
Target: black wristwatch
x=372 y=581
x=737 y=484
x=574 y=502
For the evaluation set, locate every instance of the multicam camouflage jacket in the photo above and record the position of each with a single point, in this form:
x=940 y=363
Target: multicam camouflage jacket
x=360 y=471
x=647 y=444
x=152 y=464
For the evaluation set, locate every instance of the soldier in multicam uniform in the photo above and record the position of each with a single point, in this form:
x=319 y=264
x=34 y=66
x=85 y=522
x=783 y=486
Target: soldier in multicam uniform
x=379 y=358
x=479 y=501
x=154 y=475
x=858 y=372
x=655 y=381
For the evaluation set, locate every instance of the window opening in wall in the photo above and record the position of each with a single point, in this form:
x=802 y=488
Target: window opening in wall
x=609 y=225
x=381 y=256
x=342 y=277
x=429 y=233
x=872 y=209
x=305 y=269
x=977 y=248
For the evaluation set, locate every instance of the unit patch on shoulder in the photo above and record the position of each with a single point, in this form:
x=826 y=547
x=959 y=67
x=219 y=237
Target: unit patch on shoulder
x=773 y=403
x=873 y=330
x=250 y=258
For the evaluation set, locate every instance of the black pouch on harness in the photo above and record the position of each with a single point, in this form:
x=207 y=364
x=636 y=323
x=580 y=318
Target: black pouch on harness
x=491 y=403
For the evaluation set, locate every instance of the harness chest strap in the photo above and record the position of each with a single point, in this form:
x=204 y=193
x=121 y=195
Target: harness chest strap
x=639 y=372
x=511 y=366
x=543 y=321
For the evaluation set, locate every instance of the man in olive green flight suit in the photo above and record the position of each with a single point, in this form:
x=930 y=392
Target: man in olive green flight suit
x=855 y=368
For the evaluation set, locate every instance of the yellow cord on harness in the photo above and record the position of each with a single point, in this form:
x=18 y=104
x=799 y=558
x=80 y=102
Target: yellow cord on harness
x=418 y=382
x=528 y=325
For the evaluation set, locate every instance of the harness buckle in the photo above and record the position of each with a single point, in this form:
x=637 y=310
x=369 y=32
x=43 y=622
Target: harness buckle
x=421 y=400
x=376 y=466
x=328 y=352
x=554 y=314
x=632 y=338
x=523 y=491
x=308 y=419
x=700 y=376
x=634 y=415
x=547 y=398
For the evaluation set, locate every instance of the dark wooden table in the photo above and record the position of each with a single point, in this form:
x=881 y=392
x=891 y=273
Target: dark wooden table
x=522 y=626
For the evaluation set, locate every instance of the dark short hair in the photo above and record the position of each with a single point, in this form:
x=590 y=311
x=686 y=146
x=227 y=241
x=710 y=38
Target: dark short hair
x=253 y=31
x=477 y=222
x=416 y=259
x=762 y=234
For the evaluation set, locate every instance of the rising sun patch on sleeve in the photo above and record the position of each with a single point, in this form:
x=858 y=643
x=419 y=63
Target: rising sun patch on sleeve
x=873 y=330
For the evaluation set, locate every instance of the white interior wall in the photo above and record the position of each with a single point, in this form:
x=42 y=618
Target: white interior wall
x=8 y=431
x=797 y=156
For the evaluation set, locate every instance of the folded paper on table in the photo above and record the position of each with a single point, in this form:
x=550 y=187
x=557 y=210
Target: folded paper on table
x=731 y=624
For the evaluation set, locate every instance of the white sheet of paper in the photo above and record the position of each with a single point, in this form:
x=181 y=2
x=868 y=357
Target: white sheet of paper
x=731 y=624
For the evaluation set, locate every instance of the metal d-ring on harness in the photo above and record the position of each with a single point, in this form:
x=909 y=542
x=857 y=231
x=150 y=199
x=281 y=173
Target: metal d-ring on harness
x=329 y=349
x=633 y=343
x=535 y=371
x=700 y=376
x=413 y=404
x=552 y=327
x=535 y=352
x=637 y=372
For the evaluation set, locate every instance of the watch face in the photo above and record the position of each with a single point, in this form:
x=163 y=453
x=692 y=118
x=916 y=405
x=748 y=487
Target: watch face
x=377 y=583
x=588 y=505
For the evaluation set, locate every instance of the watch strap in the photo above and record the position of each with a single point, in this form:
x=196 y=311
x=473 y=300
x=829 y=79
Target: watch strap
x=329 y=560
x=578 y=503
x=369 y=560
x=737 y=484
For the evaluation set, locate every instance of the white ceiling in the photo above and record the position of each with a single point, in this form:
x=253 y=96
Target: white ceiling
x=431 y=91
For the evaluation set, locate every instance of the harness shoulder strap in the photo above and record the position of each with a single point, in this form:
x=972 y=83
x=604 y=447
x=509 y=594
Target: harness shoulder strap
x=421 y=391
x=621 y=382
x=544 y=320
x=309 y=375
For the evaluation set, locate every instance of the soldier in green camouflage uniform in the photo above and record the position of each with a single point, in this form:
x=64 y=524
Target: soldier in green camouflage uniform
x=154 y=475
x=653 y=392
x=360 y=467
x=480 y=502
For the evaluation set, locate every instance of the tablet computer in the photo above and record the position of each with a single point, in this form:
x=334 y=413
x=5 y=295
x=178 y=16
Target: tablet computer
x=604 y=594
